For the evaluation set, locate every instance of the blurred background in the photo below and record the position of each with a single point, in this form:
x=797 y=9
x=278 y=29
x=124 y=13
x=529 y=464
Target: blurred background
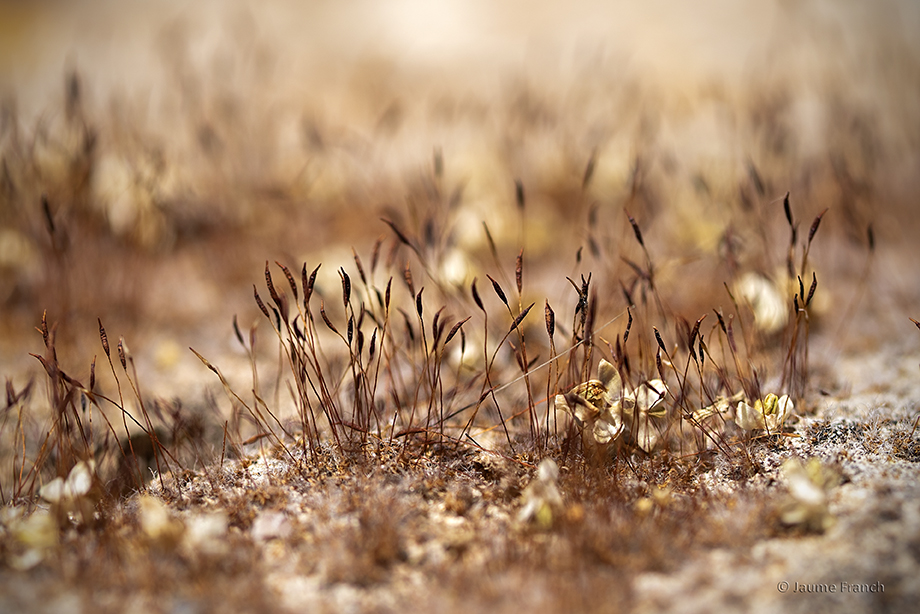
x=154 y=155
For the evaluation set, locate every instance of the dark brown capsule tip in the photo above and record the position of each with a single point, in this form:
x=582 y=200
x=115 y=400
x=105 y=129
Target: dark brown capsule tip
x=635 y=228
x=456 y=328
x=290 y=278
x=49 y=219
x=397 y=231
x=627 y=295
x=519 y=271
x=44 y=328
x=104 y=338
x=322 y=312
x=373 y=344
x=434 y=322
x=628 y=324
x=498 y=290
x=360 y=266
x=309 y=285
x=658 y=338
x=811 y=290
x=121 y=354
x=259 y=302
x=520 y=318
x=236 y=331
x=815 y=224
x=696 y=330
x=375 y=254
x=519 y=193
x=346 y=286
x=476 y=298
x=721 y=321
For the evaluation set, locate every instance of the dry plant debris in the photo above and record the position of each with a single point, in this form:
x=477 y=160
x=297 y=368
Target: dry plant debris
x=809 y=486
x=603 y=409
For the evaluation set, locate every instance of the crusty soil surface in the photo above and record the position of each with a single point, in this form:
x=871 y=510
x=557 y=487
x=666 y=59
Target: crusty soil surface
x=384 y=530
x=147 y=189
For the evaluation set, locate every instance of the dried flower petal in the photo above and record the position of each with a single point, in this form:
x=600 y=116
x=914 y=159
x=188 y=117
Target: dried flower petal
x=607 y=430
x=73 y=498
x=809 y=486
x=767 y=302
x=649 y=397
x=542 y=499
x=34 y=537
x=159 y=526
x=721 y=407
x=604 y=411
x=640 y=407
x=769 y=414
x=748 y=417
x=597 y=405
x=38 y=530
x=53 y=491
x=608 y=376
